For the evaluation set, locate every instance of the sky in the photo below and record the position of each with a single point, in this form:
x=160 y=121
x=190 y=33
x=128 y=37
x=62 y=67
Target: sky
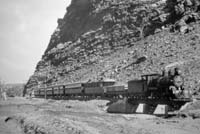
x=26 y=27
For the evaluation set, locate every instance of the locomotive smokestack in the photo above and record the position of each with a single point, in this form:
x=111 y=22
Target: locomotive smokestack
x=169 y=66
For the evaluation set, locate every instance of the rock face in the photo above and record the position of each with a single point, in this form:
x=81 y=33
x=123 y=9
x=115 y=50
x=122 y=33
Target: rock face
x=120 y=39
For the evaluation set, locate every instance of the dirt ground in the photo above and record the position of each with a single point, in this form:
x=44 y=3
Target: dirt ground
x=38 y=116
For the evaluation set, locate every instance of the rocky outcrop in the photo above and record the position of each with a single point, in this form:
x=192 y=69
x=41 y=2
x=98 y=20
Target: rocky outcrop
x=120 y=39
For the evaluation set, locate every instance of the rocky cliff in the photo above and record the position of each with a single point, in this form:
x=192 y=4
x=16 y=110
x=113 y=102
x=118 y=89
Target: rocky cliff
x=122 y=39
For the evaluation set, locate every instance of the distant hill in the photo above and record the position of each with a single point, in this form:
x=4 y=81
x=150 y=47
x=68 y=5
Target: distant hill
x=14 y=84
x=14 y=89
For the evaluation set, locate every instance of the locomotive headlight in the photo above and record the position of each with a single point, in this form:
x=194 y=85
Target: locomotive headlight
x=178 y=81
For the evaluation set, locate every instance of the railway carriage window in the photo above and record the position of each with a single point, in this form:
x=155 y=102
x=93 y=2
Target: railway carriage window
x=105 y=84
x=98 y=84
x=101 y=84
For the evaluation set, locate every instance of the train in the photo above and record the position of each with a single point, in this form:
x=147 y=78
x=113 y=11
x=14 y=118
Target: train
x=166 y=88
x=101 y=88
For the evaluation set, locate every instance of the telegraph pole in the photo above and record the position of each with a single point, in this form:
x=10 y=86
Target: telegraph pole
x=47 y=76
x=45 y=90
x=45 y=85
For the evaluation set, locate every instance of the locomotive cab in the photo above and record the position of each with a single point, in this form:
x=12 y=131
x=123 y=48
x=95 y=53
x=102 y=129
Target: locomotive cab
x=152 y=81
x=144 y=86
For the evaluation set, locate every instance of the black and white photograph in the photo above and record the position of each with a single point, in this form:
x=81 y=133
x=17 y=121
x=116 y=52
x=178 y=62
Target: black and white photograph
x=100 y=67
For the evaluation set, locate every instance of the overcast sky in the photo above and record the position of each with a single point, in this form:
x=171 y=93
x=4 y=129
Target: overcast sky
x=26 y=27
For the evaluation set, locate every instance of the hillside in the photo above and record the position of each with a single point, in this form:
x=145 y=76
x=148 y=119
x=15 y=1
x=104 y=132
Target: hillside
x=14 y=89
x=122 y=39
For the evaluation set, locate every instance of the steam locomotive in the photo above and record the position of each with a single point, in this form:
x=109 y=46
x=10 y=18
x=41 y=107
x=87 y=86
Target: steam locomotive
x=151 y=88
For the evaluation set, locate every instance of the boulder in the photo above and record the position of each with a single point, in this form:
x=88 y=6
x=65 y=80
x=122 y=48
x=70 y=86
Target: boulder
x=184 y=29
x=179 y=9
x=188 y=3
x=191 y=109
x=194 y=113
